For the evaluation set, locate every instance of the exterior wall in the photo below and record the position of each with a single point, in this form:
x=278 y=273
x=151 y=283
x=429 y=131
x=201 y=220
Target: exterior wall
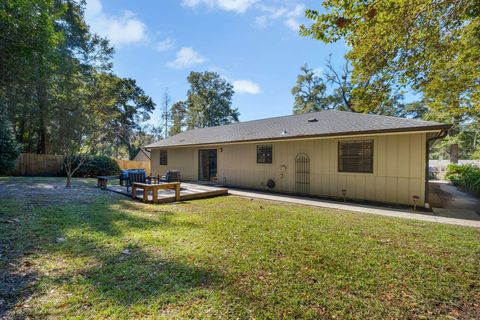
x=398 y=169
x=183 y=159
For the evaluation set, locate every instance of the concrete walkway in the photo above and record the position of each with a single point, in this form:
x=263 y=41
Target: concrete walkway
x=354 y=207
x=449 y=201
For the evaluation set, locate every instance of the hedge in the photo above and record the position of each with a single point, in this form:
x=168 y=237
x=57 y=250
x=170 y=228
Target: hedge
x=97 y=166
x=465 y=175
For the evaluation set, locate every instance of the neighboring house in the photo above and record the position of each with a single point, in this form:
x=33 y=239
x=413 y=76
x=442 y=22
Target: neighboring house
x=325 y=154
x=142 y=155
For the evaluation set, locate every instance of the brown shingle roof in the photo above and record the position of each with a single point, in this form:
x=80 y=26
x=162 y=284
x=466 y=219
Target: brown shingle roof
x=324 y=123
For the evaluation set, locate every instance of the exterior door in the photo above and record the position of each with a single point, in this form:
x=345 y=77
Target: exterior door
x=302 y=173
x=207 y=165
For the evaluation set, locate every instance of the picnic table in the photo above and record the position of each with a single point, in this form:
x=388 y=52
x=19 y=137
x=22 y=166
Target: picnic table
x=102 y=181
x=154 y=188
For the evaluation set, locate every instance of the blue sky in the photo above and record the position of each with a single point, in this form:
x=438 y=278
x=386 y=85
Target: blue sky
x=254 y=44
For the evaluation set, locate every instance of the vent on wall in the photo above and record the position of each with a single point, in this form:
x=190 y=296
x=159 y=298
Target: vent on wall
x=271 y=183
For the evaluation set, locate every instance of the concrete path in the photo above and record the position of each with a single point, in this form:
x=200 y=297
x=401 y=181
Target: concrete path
x=353 y=207
x=449 y=201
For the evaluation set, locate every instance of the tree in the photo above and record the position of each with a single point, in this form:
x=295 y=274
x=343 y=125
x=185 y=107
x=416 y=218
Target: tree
x=56 y=85
x=430 y=47
x=178 y=113
x=46 y=49
x=130 y=106
x=209 y=101
x=9 y=149
x=166 y=113
x=309 y=92
x=208 y=104
x=341 y=88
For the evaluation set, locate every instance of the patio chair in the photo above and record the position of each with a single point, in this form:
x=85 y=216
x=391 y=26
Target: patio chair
x=171 y=176
x=136 y=176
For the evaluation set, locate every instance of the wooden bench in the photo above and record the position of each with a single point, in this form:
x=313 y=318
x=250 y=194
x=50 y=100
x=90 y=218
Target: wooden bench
x=102 y=181
x=154 y=188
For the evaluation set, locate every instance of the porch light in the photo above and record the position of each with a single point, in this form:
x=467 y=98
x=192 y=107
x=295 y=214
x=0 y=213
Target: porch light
x=415 y=201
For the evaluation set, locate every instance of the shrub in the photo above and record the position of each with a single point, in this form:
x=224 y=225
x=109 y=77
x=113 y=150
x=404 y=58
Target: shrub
x=9 y=148
x=97 y=166
x=466 y=175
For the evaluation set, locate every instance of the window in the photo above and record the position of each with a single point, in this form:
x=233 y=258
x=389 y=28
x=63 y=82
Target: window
x=355 y=156
x=264 y=153
x=163 y=157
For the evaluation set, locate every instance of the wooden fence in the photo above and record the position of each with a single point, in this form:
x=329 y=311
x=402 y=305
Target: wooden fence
x=130 y=164
x=31 y=164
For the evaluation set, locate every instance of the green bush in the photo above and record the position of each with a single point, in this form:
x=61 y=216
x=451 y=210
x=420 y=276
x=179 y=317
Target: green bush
x=9 y=148
x=97 y=166
x=466 y=175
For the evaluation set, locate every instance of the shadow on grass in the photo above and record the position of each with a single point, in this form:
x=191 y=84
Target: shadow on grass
x=97 y=232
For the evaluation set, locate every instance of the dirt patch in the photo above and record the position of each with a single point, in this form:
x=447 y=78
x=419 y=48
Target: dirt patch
x=46 y=191
x=438 y=198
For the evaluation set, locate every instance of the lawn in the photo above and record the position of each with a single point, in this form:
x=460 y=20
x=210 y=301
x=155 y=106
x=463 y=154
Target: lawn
x=88 y=253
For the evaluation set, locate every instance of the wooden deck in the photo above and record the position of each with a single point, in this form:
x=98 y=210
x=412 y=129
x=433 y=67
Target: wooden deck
x=188 y=191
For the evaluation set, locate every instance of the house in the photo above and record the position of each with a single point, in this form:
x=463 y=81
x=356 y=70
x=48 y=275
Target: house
x=331 y=154
x=142 y=155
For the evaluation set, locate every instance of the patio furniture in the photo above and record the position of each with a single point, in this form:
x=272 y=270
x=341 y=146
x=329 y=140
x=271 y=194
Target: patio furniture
x=171 y=176
x=153 y=179
x=124 y=175
x=140 y=177
x=102 y=181
x=154 y=188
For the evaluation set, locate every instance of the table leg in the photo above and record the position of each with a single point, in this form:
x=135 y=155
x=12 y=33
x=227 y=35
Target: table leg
x=134 y=192
x=155 y=194
x=177 y=192
x=145 y=194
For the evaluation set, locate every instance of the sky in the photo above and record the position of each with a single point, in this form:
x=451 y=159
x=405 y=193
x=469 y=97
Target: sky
x=254 y=44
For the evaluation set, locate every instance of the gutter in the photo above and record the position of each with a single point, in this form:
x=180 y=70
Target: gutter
x=442 y=134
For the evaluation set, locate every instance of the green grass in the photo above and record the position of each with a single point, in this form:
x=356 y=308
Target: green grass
x=232 y=257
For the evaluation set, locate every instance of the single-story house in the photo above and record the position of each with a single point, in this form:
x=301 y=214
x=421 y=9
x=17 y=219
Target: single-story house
x=142 y=155
x=332 y=154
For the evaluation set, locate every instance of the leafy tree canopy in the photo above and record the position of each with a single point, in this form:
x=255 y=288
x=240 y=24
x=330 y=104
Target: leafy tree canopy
x=432 y=47
x=208 y=104
x=9 y=149
x=309 y=92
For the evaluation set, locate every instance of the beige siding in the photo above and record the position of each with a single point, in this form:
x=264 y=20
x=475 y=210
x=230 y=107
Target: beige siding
x=184 y=159
x=399 y=167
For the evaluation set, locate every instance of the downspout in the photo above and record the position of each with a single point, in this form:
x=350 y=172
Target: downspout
x=429 y=143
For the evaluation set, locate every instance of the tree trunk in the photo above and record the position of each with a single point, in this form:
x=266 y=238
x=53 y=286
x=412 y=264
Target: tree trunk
x=454 y=153
x=42 y=128
x=69 y=180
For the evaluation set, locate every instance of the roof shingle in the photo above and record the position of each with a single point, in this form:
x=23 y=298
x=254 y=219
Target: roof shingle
x=324 y=123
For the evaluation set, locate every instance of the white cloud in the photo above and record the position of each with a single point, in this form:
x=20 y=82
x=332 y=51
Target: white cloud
x=186 y=57
x=238 y=6
x=165 y=45
x=289 y=16
x=246 y=86
x=292 y=17
x=120 y=30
